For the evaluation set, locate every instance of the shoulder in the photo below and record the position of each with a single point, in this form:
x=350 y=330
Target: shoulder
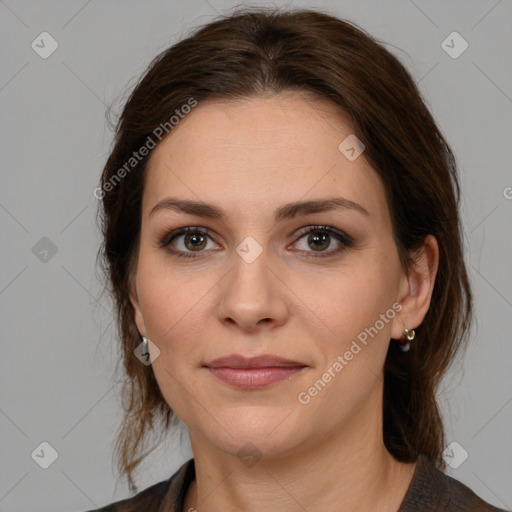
x=432 y=490
x=151 y=498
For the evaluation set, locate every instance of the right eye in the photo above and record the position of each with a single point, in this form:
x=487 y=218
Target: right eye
x=184 y=242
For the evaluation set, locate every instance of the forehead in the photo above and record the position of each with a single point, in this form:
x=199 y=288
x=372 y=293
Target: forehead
x=252 y=153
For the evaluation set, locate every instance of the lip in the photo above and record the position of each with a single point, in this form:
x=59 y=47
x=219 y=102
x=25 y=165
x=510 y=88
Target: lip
x=253 y=372
x=263 y=361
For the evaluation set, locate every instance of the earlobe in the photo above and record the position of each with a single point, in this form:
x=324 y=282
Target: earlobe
x=417 y=287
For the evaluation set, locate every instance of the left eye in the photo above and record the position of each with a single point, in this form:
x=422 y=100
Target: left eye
x=319 y=238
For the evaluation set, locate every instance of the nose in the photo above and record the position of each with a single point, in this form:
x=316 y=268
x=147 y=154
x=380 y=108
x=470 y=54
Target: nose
x=253 y=297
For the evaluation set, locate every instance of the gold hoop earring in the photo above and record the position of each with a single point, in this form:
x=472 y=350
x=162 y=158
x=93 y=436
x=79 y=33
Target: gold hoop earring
x=407 y=337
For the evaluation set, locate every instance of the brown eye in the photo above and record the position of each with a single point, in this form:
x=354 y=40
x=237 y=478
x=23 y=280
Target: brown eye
x=195 y=241
x=322 y=241
x=319 y=240
x=187 y=241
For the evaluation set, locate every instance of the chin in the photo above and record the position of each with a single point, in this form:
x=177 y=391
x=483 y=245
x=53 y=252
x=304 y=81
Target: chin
x=264 y=430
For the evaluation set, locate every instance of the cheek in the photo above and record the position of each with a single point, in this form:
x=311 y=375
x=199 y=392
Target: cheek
x=351 y=355
x=345 y=303
x=173 y=309
x=178 y=314
x=170 y=301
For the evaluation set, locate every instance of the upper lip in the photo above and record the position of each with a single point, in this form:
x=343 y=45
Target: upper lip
x=263 y=361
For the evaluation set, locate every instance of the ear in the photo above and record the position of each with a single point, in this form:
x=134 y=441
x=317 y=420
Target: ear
x=415 y=290
x=134 y=299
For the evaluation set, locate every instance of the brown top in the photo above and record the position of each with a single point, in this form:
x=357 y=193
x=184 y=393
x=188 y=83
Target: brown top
x=430 y=490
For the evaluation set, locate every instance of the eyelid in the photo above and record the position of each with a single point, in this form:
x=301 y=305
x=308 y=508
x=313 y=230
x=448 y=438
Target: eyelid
x=168 y=236
x=342 y=238
x=330 y=229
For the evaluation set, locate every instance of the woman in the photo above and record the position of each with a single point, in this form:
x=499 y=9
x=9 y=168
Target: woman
x=283 y=242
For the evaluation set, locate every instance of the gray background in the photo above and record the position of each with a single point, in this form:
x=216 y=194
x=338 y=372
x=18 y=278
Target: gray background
x=58 y=346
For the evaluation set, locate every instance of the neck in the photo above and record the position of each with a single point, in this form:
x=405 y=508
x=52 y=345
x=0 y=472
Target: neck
x=348 y=470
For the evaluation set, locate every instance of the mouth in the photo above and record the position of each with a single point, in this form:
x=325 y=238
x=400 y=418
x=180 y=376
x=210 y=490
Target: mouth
x=254 y=372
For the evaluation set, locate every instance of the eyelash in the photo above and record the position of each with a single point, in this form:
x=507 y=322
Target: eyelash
x=346 y=240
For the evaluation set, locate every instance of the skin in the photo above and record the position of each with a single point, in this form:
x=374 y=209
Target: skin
x=250 y=157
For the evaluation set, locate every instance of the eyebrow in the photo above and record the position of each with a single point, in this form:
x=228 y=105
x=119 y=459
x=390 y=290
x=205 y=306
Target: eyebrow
x=287 y=211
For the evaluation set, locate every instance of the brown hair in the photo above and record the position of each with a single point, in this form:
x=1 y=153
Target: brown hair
x=253 y=52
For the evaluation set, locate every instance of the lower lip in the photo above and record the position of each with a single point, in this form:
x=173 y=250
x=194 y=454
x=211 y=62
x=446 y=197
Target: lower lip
x=254 y=378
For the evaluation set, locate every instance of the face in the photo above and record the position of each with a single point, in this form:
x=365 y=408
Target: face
x=268 y=268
